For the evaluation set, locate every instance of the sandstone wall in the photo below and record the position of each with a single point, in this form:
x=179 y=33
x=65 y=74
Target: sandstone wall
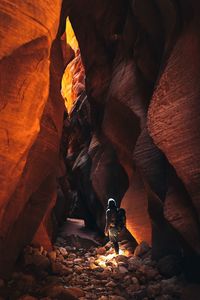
x=142 y=65
x=31 y=120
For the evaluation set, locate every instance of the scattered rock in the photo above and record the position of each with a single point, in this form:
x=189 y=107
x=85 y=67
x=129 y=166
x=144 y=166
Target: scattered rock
x=101 y=250
x=78 y=269
x=141 y=249
x=25 y=281
x=63 y=251
x=40 y=261
x=153 y=290
x=105 y=274
x=72 y=255
x=111 y=284
x=87 y=274
x=59 y=292
x=123 y=270
x=135 y=281
x=121 y=258
x=134 y=263
x=76 y=292
x=60 y=269
x=169 y=266
x=148 y=272
x=89 y=287
x=170 y=286
x=78 y=260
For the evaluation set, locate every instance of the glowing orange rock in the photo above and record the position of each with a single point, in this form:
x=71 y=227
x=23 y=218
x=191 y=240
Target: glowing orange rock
x=73 y=81
x=30 y=128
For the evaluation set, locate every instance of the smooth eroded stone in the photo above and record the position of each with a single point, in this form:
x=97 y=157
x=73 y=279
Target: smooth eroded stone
x=60 y=269
x=59 y=292
x=142 y=249
x=77 y=292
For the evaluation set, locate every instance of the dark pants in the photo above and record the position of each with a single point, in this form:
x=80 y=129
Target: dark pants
x=113 y=236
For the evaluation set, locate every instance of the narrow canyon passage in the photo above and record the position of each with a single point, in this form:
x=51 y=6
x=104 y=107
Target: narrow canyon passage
x=98 y=100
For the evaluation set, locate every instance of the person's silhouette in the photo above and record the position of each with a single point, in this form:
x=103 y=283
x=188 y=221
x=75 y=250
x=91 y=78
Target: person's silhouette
x=115 y=222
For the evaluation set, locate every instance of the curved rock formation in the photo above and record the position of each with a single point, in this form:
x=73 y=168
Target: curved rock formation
x=31 y=120
x=141 y=51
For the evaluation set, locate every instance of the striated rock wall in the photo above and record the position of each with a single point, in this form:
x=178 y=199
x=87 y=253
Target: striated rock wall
x=139 y=66
x=31 y=120
x=174 y=121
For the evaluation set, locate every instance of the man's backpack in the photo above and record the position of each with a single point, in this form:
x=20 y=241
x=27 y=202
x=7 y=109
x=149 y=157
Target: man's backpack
x=121 y=219
x=113 y=217
x=117 y=218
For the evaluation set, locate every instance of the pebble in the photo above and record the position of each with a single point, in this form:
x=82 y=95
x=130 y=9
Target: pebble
x=170 y=286
x=141 y=249
x=123 y=270
x=60 y=269
x=111 y=284
x=135 y=280
x=76 y=292
x=78 y=260
x=78 y=269
x=121 y=258
x=169 y=266
x=134 y=263
x=101 y=250
x=153 y=290
x=40 y=261
x=72 y=255
x=63 y=251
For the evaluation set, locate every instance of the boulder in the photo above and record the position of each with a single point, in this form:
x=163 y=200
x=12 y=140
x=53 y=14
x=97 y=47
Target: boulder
x=142 y=249
x=170 y=266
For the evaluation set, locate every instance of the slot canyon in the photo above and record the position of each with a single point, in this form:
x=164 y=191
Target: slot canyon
x=99 y=100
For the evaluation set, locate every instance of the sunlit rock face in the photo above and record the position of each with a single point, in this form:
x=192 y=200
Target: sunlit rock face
x=135 y=70
x=73 y=80
x=30 y=122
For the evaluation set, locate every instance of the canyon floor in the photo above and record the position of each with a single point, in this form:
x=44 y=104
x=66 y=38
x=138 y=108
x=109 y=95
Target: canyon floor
x=88 y=270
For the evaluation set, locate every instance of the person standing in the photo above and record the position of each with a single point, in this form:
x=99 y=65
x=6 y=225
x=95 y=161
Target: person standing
x=115 y=222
